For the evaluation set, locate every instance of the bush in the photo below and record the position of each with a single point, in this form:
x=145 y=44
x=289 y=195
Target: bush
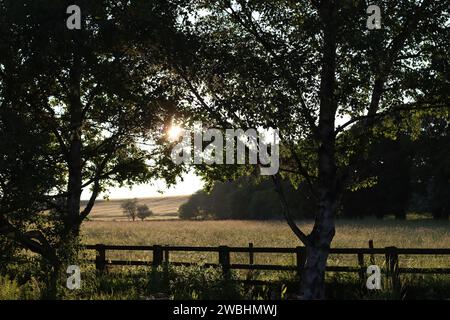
x=188 y=210
x=264 y=205
x=143 y=212
x=198 y=283
x=7 y=253
x=196 y=206
x=9 y=289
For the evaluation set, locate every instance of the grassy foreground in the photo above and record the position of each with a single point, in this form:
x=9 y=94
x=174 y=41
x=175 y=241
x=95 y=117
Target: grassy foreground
x=198 y=283
x=108 y=226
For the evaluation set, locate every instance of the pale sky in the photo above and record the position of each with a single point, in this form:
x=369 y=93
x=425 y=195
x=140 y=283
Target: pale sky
x=189 y=185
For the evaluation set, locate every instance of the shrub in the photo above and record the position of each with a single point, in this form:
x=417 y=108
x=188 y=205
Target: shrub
x=198 y=283
x=9 y=289
x=143 y=212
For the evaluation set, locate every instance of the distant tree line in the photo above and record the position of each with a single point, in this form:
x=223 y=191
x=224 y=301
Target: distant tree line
x=397 y=176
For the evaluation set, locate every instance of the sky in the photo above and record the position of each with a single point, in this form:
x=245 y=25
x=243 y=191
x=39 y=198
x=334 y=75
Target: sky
x=189 y=185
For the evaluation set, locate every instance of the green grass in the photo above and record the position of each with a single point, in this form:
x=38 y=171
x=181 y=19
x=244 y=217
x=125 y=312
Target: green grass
x=11 y=290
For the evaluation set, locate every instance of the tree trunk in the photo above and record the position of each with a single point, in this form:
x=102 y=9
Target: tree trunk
x=74 y=160
x=318 y=246
x=54 y=281
x=313 y=279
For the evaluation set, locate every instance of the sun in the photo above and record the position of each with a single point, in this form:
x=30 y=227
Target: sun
x=174 y=132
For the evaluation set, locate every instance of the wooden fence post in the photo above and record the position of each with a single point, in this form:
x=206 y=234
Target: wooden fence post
x=250 y=253
x=362 y=270
x=301 y=260
x=166 y=267
x=166 y=256
x=157 y=256
x=157 y=261
x=251 y=260
x=100 y=258
x=224 y=260
x=372 y=257
x=392 y=268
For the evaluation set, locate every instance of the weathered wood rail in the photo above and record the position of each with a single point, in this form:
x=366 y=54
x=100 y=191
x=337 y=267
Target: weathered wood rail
x=161 y=257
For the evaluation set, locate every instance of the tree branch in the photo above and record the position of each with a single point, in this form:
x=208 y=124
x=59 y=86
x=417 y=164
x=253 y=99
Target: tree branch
x=257 y=33
x=286 y=212
x=33 y=240
x=394 y=110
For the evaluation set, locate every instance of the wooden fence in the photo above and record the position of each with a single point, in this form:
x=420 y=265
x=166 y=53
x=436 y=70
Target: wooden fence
x=161 y=257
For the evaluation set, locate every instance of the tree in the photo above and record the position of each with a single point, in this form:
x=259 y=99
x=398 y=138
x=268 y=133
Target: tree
x=194 y=206
x=385 y=177
x=431 y=172
x=247 y=197
x=143 y=212
x=129 y=208
x=103 y=106
x=27 y=174
x=313 y=70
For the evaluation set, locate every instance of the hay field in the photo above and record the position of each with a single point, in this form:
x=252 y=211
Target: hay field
x=163 y=207
x=404 y=234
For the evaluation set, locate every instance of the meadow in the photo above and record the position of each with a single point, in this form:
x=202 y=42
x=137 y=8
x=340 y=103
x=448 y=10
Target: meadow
x=417 y=233
x=109 y=226
x=349 y=233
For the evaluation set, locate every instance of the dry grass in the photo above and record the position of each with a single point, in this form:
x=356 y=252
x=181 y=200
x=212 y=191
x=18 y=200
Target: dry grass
x=415 y=233
x=163 y=207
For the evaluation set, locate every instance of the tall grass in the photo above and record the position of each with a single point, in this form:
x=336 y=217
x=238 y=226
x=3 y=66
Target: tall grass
x=404 y=234
x=411 y=233
x=197 y=282
x=9 y=289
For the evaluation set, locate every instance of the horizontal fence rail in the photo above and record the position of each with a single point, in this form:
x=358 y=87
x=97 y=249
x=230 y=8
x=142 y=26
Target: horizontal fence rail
x=161 y=254
x=415 y=251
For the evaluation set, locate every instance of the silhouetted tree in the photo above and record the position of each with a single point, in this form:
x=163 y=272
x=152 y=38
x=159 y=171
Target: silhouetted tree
x=299 y=66
x=143 y=212
x=129 y=208
x=97 y=98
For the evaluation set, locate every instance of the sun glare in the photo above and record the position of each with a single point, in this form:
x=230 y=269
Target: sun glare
x=174 y=133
